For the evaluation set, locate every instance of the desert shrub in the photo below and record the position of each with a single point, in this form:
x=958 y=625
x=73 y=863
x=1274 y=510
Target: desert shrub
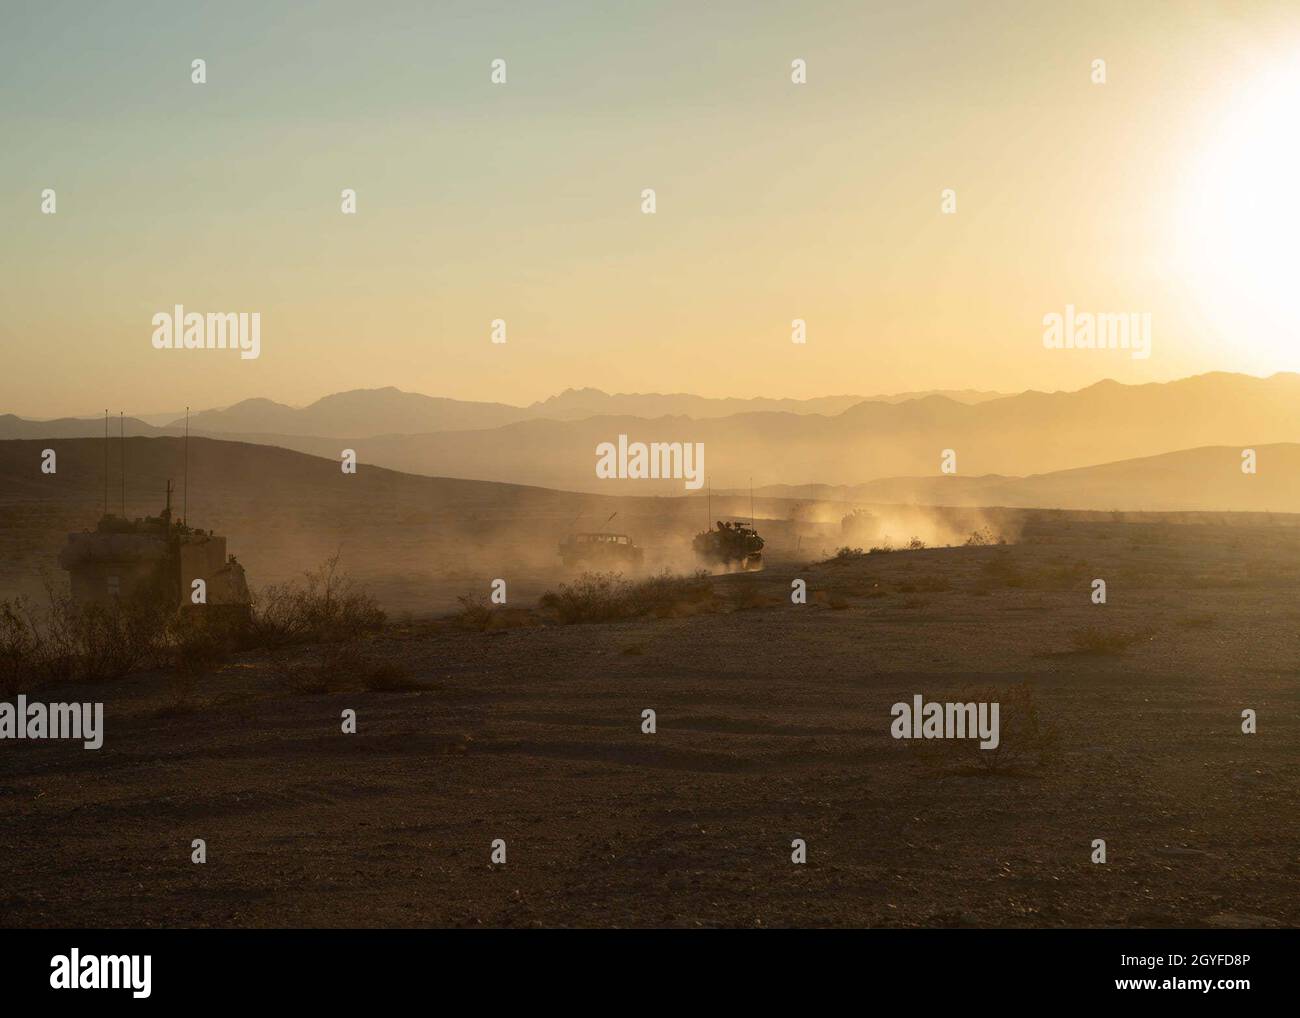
x=477 y=614
x=64 y=640
x=983 y=537
x=195 y=649
x=1092 y=640
x=915 y=544
x=473 y=613
x=324 y=607
x=846 y=554
x=115 y=640
x=329 y=667
x=1027 y=741
x=339 y=665
x=197 y=642
x=604 y=597
x=22 y=654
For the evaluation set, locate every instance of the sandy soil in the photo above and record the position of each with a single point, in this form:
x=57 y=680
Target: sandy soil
x=773 y=724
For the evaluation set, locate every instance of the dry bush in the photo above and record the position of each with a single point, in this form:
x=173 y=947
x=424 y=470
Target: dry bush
x=65 y=641
x=118 y=639
x=1027 y=742
x=322 y=669
x=604 y=597
x=22 y=654
x=845 y=554
x=324 y=607
x=477 y=614
x=336 y=666
x=197 y=643
x=474 y=612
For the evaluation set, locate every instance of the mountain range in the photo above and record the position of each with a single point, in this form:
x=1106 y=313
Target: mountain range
x=820 y=442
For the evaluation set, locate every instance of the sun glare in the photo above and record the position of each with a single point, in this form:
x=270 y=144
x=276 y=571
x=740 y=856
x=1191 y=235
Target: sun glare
x=1242 y=221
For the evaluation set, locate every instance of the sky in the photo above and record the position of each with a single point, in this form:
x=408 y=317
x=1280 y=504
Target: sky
x=1167 y=190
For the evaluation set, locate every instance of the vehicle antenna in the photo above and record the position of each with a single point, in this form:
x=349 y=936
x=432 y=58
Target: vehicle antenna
x=105 y=462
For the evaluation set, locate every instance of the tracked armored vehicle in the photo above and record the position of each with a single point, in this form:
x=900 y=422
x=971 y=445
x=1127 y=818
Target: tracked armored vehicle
x=155 y=560
x=860 y=525
x=601 y=551
x=730 y=544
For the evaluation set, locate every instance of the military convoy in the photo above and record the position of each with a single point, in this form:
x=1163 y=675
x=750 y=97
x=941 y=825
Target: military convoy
x=860 y=526
x=156 y=560
x=601 y=551
x=731 y=544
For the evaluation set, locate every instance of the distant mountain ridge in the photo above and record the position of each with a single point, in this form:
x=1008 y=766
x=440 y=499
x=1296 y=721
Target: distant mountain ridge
x=1031 y=433
x=364 y=413
x=1206 y=479
x=1027 y=434
x=574 y=404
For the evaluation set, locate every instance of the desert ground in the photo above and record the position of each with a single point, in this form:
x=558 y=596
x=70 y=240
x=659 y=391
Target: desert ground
x=773 y=724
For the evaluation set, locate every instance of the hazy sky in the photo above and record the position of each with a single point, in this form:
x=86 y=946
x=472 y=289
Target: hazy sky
x=1170 y=189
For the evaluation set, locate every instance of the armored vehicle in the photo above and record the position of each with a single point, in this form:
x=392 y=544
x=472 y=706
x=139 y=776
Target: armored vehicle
x=155 y=560
x=732 y=544
x=600 y=550
x=860 y=525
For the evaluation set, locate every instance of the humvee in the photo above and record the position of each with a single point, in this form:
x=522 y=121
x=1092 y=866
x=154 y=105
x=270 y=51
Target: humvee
x=600 y=549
